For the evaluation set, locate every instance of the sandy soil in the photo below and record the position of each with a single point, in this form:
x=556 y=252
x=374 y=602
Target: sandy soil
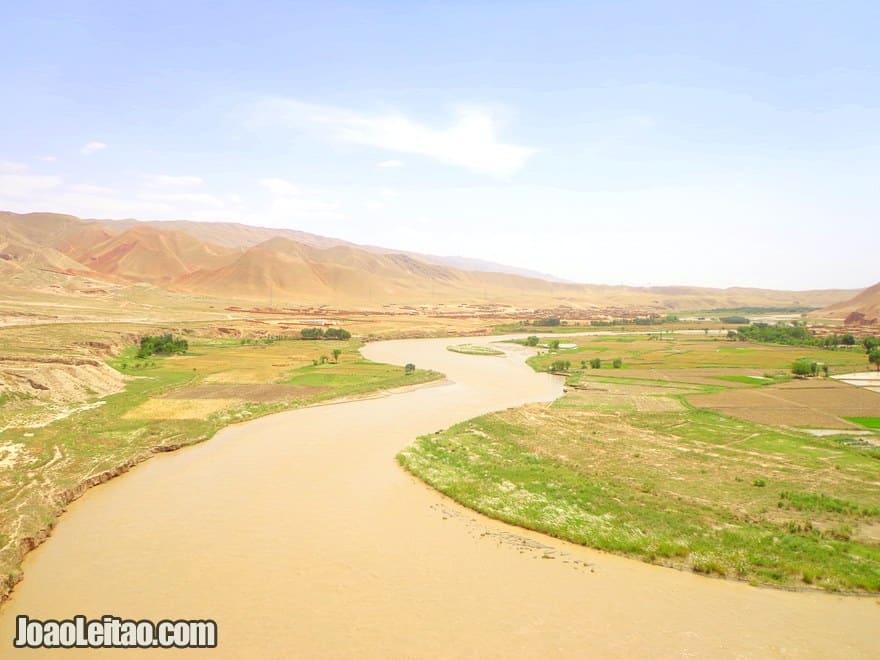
x=818 y=403
x=302 y=537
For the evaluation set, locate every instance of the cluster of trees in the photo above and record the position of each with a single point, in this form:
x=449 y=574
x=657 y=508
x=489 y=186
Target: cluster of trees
x=808 y=367
x=161 y=345
x=734 y=320
x=777 y=334
x=874 y=357
x=838 y=340
x=799 y=335
x=596 y=363
x=560 y=365
x=533 y=341
x=329 y=333
x=324 y=359
x=549 y=322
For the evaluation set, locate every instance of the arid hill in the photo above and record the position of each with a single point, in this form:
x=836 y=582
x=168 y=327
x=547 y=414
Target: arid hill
x=864 y=308
x=234 y=262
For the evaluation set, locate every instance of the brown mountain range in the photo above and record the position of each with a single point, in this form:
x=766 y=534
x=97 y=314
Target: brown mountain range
x=238 y=262
x=862 y=308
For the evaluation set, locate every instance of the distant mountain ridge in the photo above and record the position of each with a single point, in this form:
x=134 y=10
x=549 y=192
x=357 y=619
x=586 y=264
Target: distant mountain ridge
x=865 y=304
x=239 y=262
x=231 y=234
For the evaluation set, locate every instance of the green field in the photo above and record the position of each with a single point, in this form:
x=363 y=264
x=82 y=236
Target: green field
x=624 y=463
x=867 y=422
x=169 y=402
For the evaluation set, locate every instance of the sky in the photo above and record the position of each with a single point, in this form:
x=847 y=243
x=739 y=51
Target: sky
x=629 y=142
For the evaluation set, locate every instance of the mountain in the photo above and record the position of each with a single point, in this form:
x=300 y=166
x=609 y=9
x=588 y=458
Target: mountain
x=149 y=255
x=234 y=262
x=231 y=234
x=864 y=307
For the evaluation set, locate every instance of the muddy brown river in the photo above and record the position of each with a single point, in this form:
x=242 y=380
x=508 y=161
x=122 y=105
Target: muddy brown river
x=302 y=537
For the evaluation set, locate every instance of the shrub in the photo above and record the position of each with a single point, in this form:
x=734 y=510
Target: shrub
x=337 y=333
x=617 y=363
x=161 y=344
x=596 y=363
x=531 y=341
x=409 y=368
x=803 y=367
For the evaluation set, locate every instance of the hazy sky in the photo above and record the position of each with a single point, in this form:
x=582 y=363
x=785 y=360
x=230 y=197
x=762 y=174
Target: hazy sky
x=635 y=142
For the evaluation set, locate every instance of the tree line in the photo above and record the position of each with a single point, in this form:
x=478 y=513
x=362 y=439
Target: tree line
x=329 y=333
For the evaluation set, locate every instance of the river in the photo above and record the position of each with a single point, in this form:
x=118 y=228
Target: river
x=300 y=535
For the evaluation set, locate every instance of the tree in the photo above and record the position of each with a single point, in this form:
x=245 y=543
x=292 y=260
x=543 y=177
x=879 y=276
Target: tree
x=161 y=344
x=560 y=365
x=732 y=335
x=311 y=333
x=596 y=363
x=802 y=367
x=336 y=354
x=870 y=343
x=409 y=368
x=617 y=364
x=324 y=359
x=531 y=341
x=337 y=333
x=825 y=370
x=874 y=357
x=553 y=343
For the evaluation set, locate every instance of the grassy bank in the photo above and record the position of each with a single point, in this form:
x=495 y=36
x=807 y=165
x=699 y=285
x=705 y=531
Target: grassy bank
x=169 y=402
x=473 y=349
x=625 y=463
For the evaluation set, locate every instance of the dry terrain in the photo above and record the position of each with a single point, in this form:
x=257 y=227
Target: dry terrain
x=63 y=254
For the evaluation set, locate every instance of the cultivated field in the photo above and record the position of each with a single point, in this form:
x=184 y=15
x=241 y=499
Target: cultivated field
x=694 y=454
x=86 y=409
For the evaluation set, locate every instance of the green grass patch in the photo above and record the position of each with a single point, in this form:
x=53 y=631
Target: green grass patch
x=748 y=380
x=867 y=422
x=690 y=489
x=473 y=349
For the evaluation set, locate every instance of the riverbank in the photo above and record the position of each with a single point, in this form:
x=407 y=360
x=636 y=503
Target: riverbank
x=167 y=403
x=638 y=462
x=299 y=534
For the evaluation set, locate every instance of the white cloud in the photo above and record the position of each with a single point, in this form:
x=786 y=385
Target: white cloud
x=279 y=187
x=387 y=193
x=183 y=198
x=469 y=142
x=49 y=159
x=25 y=185
x=295 y=207
x=92 y=147
x=390 y=163
x=88 y=189
x=8 y=167
x=166 y=181
x=290 y=201
x=374 y=206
